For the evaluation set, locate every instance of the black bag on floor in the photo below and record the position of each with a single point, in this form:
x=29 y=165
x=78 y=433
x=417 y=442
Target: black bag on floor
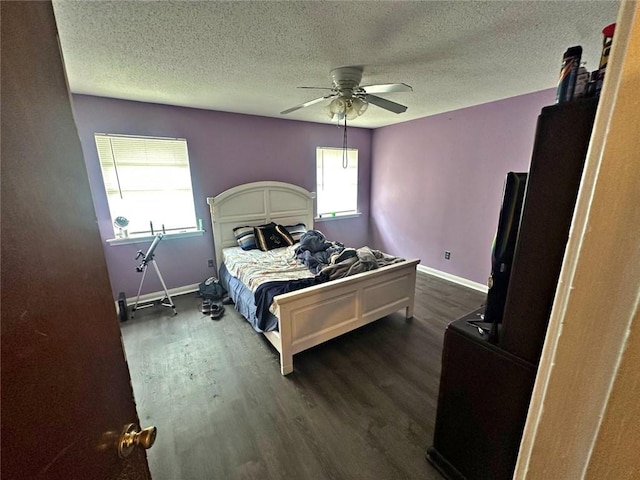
x=211 y=289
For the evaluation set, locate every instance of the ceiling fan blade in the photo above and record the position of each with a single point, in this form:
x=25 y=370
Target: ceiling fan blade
x=317 y=88
x=306 y=104
x=387 y=88
x=386 y=104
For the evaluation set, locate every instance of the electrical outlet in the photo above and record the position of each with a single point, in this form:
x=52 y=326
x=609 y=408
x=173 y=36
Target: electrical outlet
x=447 y=255
x=210 y=263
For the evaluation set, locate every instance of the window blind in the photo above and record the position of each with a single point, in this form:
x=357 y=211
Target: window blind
x=336 y=186
x=148 y=181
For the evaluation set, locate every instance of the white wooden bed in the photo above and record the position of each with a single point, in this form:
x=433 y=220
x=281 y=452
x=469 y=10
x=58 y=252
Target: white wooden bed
x=313 y=315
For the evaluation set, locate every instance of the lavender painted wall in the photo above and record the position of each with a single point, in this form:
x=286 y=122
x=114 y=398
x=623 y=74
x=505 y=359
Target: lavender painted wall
x=225 y=150
x=436 y=182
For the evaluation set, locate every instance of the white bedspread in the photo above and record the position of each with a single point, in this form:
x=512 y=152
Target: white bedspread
x=255 y=267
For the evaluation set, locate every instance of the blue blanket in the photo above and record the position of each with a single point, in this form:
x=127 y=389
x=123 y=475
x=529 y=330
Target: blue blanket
x=315 y=250
x=267 y=291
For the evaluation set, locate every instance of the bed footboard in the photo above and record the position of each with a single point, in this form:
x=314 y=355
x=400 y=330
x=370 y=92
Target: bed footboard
x=316 y=314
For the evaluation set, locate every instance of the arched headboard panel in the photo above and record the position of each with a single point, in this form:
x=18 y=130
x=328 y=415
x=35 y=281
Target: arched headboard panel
x=254 y=204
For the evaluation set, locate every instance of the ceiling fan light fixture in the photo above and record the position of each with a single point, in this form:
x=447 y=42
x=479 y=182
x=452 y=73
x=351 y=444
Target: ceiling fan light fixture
x=355 y=108
x=329 y=113
x=351 y=108
x=359 y=105
x=338 y=106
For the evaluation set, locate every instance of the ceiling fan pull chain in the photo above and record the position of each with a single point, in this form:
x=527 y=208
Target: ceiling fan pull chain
x=345 y=158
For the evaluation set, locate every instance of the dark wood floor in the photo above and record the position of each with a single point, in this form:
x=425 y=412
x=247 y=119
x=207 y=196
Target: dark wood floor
x=361 y=406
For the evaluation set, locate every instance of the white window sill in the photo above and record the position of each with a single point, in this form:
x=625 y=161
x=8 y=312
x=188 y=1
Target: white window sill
x=149 y=238
x=337 y=217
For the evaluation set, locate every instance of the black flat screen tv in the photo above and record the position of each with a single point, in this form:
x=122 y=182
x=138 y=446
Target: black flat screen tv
x=504 y=246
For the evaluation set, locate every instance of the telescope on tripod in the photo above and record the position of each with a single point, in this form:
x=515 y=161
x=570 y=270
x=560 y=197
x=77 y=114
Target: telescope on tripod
x=149 y=258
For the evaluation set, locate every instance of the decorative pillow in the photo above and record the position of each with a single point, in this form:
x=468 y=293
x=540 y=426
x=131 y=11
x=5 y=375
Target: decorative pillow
x=245 y=237
x=296 y=231
x=282 y=230
x=272 y=236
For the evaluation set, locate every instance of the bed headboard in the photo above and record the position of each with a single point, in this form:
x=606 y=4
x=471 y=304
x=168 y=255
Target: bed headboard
x=255 y=204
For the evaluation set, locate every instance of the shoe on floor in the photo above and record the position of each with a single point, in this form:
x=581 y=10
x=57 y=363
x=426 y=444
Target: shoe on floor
x=226 y=300
x=206 y=307
x=216 y=311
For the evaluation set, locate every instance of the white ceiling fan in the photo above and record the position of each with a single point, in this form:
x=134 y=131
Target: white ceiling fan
x=351 y=100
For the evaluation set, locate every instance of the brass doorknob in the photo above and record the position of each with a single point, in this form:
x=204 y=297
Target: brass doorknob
x=133 y=436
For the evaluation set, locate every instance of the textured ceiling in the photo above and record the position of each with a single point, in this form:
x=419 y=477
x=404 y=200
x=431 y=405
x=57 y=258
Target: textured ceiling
x=249 y=56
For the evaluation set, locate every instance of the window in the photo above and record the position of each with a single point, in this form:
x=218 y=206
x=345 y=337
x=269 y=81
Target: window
x=148 y=182
x=336 y=181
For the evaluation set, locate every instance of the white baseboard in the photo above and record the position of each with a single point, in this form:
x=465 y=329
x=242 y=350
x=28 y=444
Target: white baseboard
x=152 y=297
x=453 y=278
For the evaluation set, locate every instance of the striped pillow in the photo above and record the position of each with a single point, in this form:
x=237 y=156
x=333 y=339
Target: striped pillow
x=296 y=231
x=245 y=237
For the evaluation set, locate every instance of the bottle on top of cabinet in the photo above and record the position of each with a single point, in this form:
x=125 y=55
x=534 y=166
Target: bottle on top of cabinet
x=582 y=80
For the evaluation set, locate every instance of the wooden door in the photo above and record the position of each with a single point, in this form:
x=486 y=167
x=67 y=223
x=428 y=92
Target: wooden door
x=66 y=391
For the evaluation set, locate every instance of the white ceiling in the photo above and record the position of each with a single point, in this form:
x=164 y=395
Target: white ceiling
x=249 y=56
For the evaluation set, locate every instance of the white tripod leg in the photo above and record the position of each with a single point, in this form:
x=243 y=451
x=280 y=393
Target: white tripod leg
x=166 y=292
